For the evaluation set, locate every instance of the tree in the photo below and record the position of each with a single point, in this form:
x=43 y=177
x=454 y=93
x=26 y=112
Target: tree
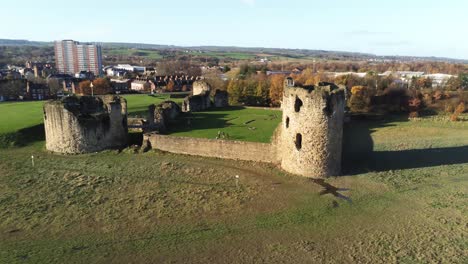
x=84 y=88
x=234 y=91
x=12 y=88
x=101 y=86
x=170 y=86
x=54 y=86
x=463 y=80
x=458 y=110
x=453 y=84
x=262 y=92
x=422 y=83
x=276 y=90
x=360 y=100
x=178 y=67
x=248 y=92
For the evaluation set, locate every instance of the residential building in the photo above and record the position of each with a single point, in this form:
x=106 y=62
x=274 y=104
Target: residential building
x=85 y=75
x=142 y=86
x=113 y=72
x=36 y=91
x=439 y=79
x=72 y=57
x=130 y=68
x=120 y=86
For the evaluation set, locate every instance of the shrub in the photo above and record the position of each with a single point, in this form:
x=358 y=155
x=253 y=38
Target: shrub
x=460 y=109
x=438 y=95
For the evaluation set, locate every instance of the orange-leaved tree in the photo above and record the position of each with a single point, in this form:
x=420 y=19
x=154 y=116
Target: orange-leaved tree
x=276 y=89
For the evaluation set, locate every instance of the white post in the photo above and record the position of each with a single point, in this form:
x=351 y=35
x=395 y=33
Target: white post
x=237 y=181
x=32 y=160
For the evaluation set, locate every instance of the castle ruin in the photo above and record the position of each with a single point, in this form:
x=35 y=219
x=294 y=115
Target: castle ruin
x=308 y=142
x=311 y=132
x=85 y=124
x=160 y=115
x=221 y=98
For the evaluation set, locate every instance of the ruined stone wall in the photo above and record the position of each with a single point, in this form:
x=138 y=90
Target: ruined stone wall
x=200 y=87
x=221 y=99
x=225 y=149
x=196 y=103
x=85 y=124
x=160 y=116
x=312 y=130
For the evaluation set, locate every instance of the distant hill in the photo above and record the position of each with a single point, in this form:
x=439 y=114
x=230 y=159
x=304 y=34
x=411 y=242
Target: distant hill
x=292 y=53
x=22 y=42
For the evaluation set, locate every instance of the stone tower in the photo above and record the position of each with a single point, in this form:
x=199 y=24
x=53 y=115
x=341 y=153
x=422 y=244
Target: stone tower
x=311 y=136
x=85 y=124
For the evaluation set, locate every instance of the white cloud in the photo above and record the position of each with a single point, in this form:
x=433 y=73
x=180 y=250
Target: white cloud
x=248 y=2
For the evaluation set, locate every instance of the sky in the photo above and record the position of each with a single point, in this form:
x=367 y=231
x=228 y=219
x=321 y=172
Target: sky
x=397 y=27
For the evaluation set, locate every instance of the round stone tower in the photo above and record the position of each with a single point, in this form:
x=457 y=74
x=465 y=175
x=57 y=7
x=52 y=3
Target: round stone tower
x=311 y=136
x=85 y=124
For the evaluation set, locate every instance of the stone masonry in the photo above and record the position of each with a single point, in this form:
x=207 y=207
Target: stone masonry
x=311 y=134
x=85 y=124
x=161 y=115
x=200 y=87
x=308 y=142
x=221 y=99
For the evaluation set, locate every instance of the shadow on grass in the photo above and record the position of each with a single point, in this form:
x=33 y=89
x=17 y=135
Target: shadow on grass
x=199 y=121
x=23 y=137
x=330 y=189
x=359 y=155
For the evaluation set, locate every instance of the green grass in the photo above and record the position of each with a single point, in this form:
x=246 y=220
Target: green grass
x=231 y=55
x=244 y=124
x=150 y=54
x=237 y=123
x=16 y=116
x=138 y=104
x=402 y=199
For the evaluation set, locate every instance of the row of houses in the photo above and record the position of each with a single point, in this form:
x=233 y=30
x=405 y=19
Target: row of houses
x=31 y=69
x=23 y=90
x=155 y=84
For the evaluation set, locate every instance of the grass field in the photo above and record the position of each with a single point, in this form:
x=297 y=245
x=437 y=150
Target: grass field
x=238 y=123
x=148 y=54
x=28 y=115
x=402 y=200
x=224 y=55
x=244 y=124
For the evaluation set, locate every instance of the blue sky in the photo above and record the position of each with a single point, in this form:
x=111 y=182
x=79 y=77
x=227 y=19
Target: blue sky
x=398 y=27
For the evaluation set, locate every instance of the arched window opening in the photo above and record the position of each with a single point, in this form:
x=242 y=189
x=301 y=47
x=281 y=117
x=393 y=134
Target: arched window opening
x=287 y=122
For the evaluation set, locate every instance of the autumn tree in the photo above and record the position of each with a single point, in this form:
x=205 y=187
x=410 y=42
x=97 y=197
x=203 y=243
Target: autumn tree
x=248 y=92
x=84 y=88
x=170 y=86
x=262 y=92
x=276 y=90
x=101 y=86
x=458 y=111
x=453 y=84
x=360 y=99
x=422 y=83
x=235 y=92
